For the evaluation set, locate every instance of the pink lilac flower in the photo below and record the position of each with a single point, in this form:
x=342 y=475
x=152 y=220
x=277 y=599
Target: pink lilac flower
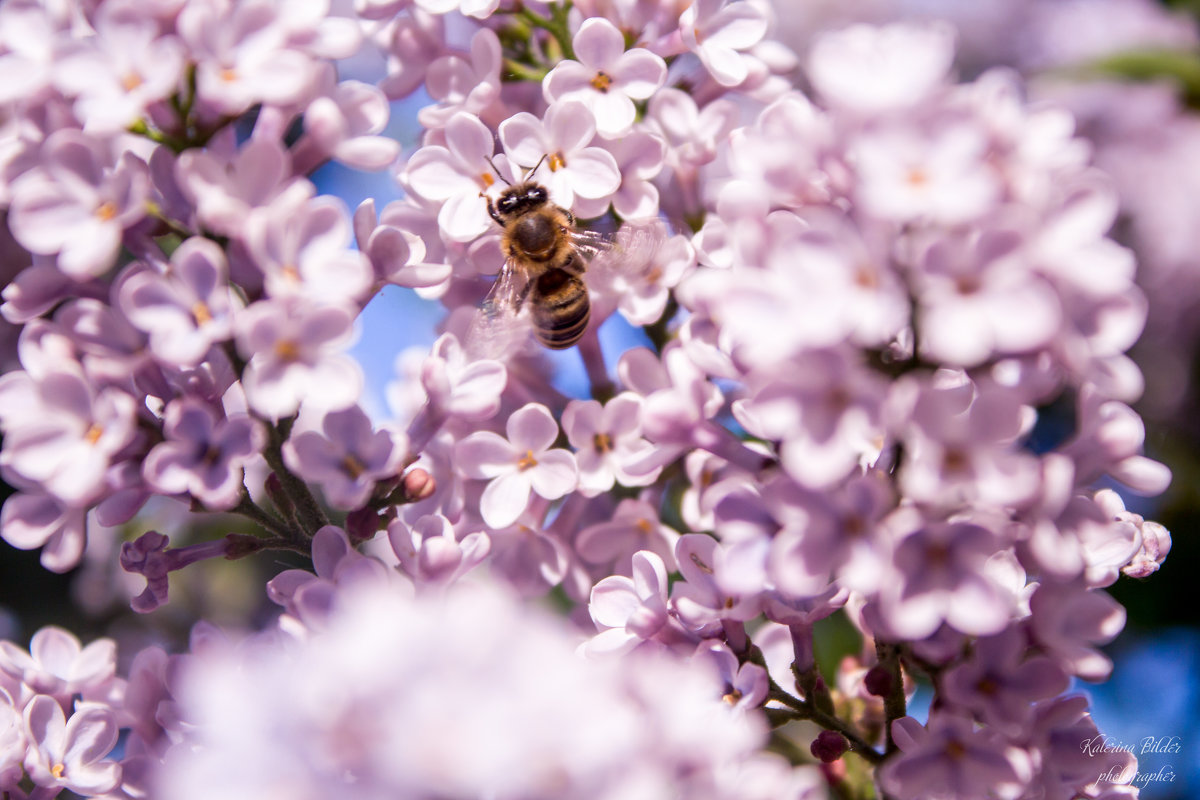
x=456 y=175
x=34 y=519
x=225 y=182
x=57 y=665
x=187 y=309
x=1109 y=441
x=608 y=443
x=343 y=124
x=243 y=55
x=431 y=553
x=951 y=758
x=411 y=45
x=69 y=754
x=719 y=33
x=940 y=575
x=203 y=454
x=606 y=78
x=629 y=610
x=693 y=134
x=397 y=254
x=1000 y=684
x=150 y=557
x=1155 y=539
x=295 y=353
x=563 y=136
x=303 y=248
x=68 y=447
x=77 y=203
x=116 y=74
x=1069 y=621
x=29 y=38
x=517 y=466
x=639 y=157
x=745 y=685
x=703 y=598
x=346 y=458
x=468 y=82
x=879 y=69
x=635 y=527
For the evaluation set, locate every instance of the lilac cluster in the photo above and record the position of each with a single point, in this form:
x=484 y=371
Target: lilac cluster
x=866 y=299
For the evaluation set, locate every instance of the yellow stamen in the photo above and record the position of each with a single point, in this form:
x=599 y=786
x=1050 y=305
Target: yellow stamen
x=352 y=466
x=732 y=697
x=131 y=81
x=601 y=82
x=644 y=527
x=487 y=179
x=106 y=211
x=527 y=461
x=229 y=74
x=200 y=313
x=93 y=434
x=291 y=272
x=287 y=350
x=555 y=162
x=602 y=442
x=57 y=770
x=917 y=177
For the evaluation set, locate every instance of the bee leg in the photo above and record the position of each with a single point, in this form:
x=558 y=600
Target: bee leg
x=492 y=210
x=575 y=265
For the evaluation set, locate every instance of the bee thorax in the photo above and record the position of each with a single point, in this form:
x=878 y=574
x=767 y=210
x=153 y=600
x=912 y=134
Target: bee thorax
x=535 y=235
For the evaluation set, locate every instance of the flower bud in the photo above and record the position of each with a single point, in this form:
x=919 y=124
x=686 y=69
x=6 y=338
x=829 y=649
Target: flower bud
x=828 y=746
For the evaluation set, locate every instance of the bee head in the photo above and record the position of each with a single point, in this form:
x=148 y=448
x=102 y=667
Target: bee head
x=521 y=199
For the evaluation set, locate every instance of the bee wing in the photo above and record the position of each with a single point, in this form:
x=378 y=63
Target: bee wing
x=499 y=324
x=633 y=249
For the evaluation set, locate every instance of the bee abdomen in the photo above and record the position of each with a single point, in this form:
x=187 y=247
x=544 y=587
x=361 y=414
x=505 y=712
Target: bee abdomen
x=562 y=314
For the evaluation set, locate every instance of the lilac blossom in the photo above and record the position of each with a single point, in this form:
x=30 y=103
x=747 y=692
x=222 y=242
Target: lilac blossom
x=225 y=183
x=77 y=204
x=303 y=249
x=720 y=33
x=58 y=666
x=203 y=454
x=639 y=157
x=150 y=557
x=608 y=443
x=564 y=136
x=606 y=78
x=745 y=684
x=347 y=457
x=68 y=448
x=115 y=75
x=634 y=527
x=517 y=466
x=295 y=353
x=629 y=611
x=951 y=759
x=397 y=254
x=31 y=519
x=456 y=175
x=432 y=554
x=186 y=310
x=69 y=753
x=468 y=82
x=344 y=125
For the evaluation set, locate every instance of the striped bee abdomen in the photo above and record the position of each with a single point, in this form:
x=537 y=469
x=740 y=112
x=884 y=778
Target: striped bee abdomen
x=561 y=309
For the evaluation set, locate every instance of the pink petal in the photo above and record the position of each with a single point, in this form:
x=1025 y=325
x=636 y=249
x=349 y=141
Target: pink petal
x=598 y=44
x=555 y=475
x=639 y=73
x=485 y=455
x=532 y=428
x=505 y=499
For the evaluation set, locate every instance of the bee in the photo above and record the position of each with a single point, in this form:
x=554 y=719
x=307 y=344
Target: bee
x=545 y=258
x=544 y=263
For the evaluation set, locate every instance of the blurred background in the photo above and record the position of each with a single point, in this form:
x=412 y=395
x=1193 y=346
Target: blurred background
x=1130 y=72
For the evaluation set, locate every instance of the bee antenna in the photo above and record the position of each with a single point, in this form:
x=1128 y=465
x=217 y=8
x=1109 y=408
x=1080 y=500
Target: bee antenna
x=535 y=166
x=497 y=171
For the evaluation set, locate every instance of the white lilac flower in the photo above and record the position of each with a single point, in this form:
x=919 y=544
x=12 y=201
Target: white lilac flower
x=468 y=82
x=456 y=175
x=606 y=78
x=517 y=466
x=70 y=753
x=719 y=33
x=572 y=166
x=58 y=666
x=608 y=443
x=344 y=124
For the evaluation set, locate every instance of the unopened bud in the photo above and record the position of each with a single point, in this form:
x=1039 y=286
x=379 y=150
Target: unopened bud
x=362 y=525
x=878 y=681
x=828 y=746
x=418 y=485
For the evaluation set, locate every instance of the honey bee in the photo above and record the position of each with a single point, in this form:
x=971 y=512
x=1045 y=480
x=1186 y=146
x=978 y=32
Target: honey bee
x=545 y=257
